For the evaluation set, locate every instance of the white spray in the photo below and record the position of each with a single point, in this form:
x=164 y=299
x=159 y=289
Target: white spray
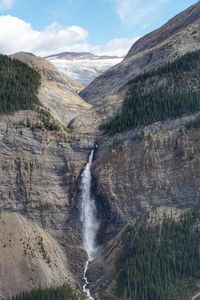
x=89 y=221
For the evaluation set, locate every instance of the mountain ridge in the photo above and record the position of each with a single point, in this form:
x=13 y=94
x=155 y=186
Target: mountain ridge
x=175 y=24
x=138 y=61
x=79 y=56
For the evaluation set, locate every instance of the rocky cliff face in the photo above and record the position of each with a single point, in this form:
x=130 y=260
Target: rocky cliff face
x=141 y=169
x=40 y=237
x=136 y=173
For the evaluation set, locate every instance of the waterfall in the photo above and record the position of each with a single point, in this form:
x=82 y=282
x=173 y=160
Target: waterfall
x=89 y=222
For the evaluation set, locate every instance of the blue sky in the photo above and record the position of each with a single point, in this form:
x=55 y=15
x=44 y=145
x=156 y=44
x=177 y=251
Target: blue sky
x=100 y=26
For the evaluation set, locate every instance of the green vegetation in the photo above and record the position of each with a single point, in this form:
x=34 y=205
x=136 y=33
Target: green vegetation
x=160 y=262
x=167 y=92
x=19 y=86
x=64 y=292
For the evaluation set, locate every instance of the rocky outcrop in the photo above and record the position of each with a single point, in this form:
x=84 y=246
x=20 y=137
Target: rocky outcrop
x=58 y=92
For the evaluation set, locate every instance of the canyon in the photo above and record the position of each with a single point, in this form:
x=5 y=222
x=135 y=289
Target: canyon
x=149 y=170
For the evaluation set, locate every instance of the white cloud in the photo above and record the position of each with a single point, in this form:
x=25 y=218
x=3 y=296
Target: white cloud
x=118 y=47
x=137 y=12
x=6 y=4
x=17 y=35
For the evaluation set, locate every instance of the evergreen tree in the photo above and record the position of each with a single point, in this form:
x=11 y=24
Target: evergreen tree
x=160 y=262
x=170 y=91
x=19 y=86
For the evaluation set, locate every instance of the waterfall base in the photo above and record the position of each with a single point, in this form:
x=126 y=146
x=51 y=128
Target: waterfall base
x=85 y=289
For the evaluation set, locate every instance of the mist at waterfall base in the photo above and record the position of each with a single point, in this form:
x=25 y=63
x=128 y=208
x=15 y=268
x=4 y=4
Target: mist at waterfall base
x=89 y=221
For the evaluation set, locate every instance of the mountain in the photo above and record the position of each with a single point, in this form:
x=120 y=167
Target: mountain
x=82 y=66
x=142 y=127
x=177 y=37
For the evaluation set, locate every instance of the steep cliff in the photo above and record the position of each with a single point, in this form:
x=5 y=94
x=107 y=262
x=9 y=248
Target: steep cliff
x=138 y=173
x=40 y=227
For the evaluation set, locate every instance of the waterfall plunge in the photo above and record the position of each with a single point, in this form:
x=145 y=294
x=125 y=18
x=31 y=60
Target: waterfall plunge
x=89 y=221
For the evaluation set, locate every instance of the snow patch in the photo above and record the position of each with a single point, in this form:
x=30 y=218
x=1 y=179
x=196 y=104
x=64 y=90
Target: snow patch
x=86 y=70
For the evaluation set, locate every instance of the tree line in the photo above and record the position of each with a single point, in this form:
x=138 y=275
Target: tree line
x=19 y=86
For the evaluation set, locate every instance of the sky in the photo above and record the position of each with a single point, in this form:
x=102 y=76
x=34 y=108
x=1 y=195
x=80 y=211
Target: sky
x=104 y=27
